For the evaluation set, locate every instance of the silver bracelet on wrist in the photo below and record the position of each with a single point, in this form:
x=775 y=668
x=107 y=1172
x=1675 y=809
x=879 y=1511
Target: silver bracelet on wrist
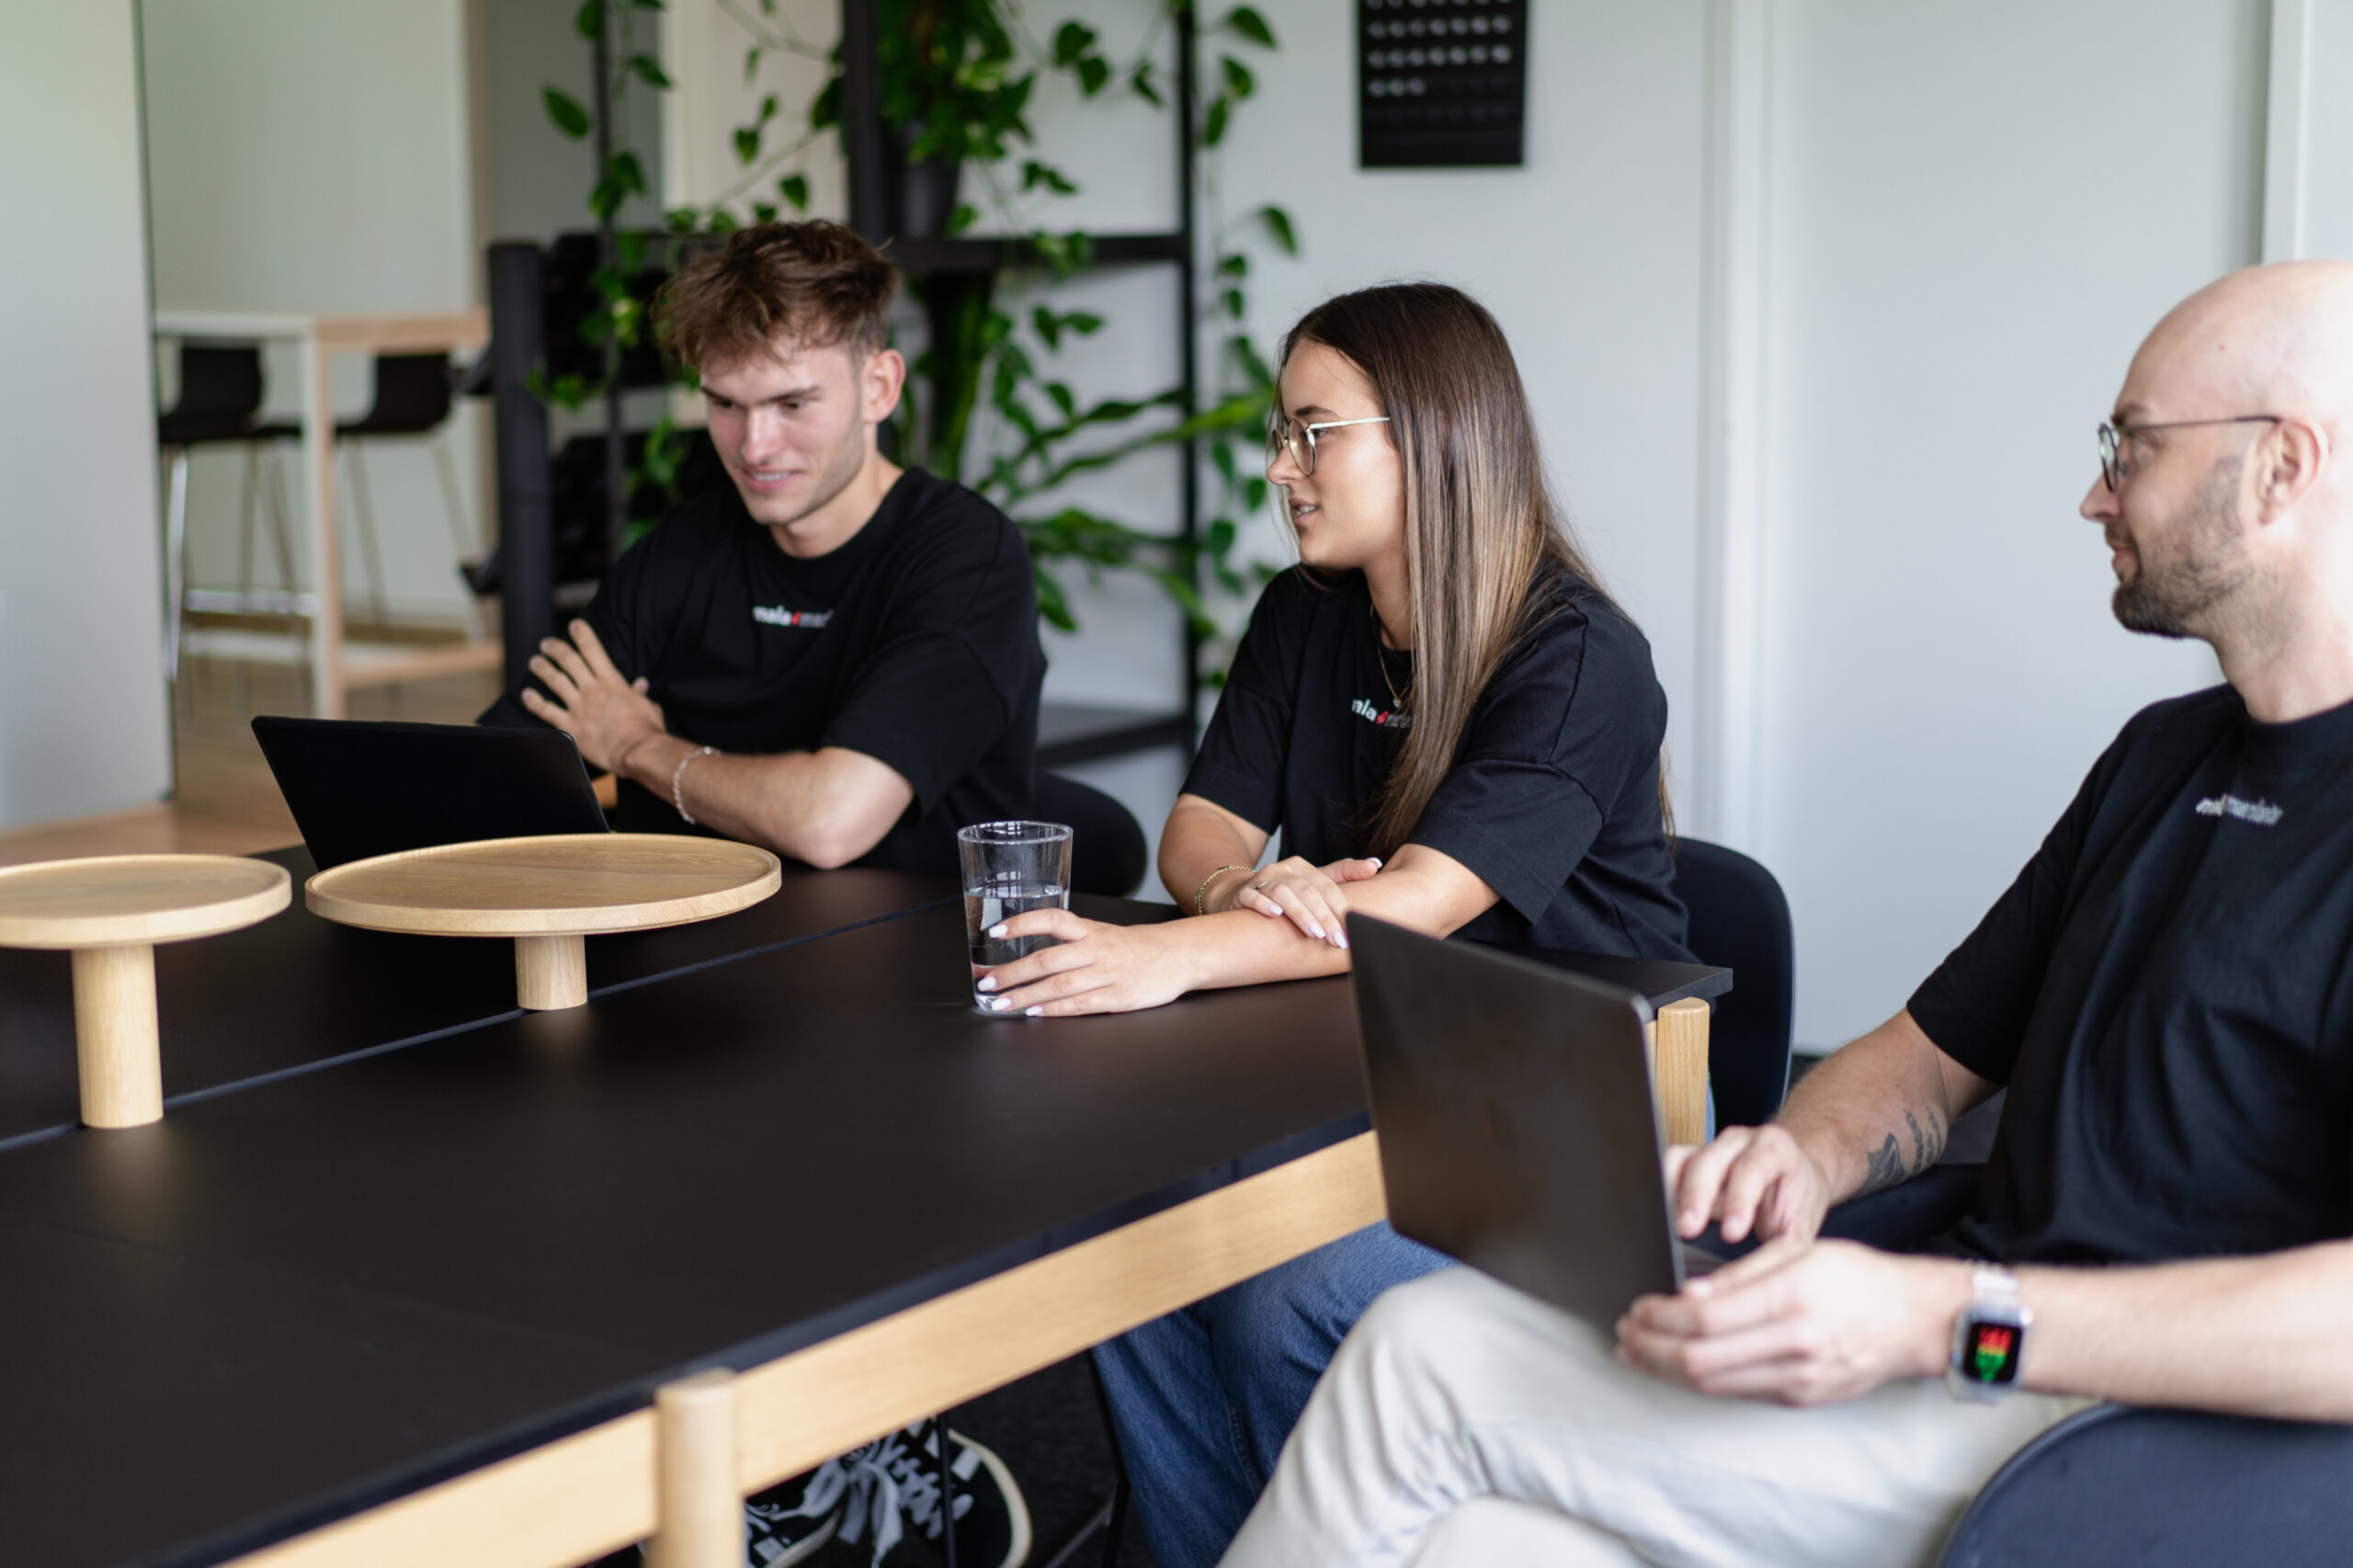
x=678 y=777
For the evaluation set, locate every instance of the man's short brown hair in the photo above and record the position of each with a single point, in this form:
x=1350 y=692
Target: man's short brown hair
x=775 y=287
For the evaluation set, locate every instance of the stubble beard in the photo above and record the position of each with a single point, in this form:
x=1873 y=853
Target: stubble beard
x=2172 y=597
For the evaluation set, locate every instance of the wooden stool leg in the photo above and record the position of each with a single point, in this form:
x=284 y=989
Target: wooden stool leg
x=1679 y=1068
x=114 y=1032
x=550 y=972
x=699 y=1508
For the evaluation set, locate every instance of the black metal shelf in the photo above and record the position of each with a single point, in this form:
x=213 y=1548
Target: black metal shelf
x=925 y=258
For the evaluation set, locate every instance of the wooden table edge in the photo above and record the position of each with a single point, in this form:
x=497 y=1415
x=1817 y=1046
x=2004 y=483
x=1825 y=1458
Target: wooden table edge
x=592 y=1492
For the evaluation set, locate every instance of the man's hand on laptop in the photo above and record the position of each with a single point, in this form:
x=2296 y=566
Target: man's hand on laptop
x=1748 y=1180
x=606 y=714
x=1800 y=1321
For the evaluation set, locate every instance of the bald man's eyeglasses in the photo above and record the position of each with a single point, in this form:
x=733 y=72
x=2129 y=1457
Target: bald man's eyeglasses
x=1299 y=440
x=2115 y=462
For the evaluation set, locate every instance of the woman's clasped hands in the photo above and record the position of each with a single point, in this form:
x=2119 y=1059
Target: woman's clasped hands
x=1096 y=967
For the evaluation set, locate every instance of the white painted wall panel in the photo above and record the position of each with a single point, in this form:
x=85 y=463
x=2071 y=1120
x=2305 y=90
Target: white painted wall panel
x=82 y=726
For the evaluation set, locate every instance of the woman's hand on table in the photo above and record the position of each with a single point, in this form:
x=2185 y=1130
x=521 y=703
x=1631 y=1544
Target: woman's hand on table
x=1096 y=968
x=1309 y=896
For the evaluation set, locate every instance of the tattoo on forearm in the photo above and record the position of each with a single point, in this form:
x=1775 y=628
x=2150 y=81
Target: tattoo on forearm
x=1888 y=1165
x=1887 y=1168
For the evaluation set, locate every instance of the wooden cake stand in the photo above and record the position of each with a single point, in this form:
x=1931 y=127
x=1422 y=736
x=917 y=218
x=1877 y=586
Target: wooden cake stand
x=548 y=893
x=111 y=912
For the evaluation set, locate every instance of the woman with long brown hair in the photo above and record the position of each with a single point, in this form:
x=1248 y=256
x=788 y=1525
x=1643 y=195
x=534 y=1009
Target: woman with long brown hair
x=1455 y=729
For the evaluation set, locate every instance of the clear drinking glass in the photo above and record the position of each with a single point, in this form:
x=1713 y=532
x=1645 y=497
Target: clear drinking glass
x=1010 y=868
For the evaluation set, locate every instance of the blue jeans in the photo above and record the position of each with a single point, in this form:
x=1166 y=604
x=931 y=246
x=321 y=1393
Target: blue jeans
x=1202 y=1399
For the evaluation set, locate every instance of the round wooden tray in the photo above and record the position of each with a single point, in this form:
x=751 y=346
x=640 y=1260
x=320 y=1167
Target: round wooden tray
x=110 y=912
x=547 y=892
x=121 y=899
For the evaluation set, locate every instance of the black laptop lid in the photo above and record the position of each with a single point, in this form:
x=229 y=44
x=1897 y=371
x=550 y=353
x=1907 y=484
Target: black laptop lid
x=1516 y=1123
x=359 y=789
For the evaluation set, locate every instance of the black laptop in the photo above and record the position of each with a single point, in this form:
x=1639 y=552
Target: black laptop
x=1518 y=1131
x=359 y=789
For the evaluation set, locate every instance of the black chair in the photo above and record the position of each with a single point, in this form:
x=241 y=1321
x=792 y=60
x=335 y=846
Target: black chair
x=220 y=393
x=413 y=397
x=1740 y=921
x=2121 y=1486
x=1108 y=853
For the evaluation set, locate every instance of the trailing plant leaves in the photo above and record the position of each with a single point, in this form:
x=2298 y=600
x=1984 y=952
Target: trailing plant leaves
x=589 y=20
x=764 y=212
x=748 y=144
x=795 y=190
x=1143 y=85
x=566 y=111
x=1234 y=266
x=1035 y=174
x=1237 y=305
x=1214 y=123
x=1245 y=21
x=649 y=71
x=1093 y=73
x=1073 y=42
x=751 y=64
x=1278 y=229
x=963 y=218
x=1239 y=83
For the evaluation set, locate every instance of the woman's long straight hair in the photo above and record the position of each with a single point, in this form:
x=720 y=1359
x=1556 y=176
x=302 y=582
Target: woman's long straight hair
x=1485 y=545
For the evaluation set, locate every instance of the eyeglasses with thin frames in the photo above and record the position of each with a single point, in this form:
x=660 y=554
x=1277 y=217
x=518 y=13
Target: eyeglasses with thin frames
x=2114 y=467
x=1299 y=440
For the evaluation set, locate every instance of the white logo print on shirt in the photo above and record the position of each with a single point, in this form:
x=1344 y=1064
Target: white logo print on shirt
x=776 y=615
x=2262 y=813
x=1382 y=717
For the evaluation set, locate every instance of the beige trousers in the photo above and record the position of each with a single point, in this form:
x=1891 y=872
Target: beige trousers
x=1464 y=1422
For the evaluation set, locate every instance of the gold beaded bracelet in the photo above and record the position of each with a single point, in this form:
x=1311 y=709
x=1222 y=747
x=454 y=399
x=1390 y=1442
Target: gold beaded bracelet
x=1201 y=893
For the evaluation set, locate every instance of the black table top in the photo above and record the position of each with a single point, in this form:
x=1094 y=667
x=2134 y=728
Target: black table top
x=286 y=1304
x=501 y=1235
x=297 y=991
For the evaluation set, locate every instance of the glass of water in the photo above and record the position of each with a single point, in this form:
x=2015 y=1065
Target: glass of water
x=1010 y=868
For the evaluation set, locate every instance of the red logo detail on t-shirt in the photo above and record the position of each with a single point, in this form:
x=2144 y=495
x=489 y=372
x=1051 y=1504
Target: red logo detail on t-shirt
x=776 y=615
x=1382 y=717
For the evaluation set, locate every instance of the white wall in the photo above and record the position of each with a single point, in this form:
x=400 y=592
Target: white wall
x=1975 y=211
x=313 y=156
x=82 y=724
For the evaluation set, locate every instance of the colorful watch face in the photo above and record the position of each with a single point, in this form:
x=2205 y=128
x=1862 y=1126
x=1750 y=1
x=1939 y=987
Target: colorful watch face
x=1990 y=1353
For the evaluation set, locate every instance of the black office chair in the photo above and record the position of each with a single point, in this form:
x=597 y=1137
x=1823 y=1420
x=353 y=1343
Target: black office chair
x=1108 y=853
x=1740 y=921
x=2121 y=1488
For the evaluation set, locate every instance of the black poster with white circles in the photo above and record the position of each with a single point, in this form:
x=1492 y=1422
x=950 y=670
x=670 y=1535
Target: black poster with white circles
x=1440 y=83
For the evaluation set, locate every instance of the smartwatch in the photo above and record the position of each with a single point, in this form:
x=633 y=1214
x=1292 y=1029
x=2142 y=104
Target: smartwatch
x=1988 y=1339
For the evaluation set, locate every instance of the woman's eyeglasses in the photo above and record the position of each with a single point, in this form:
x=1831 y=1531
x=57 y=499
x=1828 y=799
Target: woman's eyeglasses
x=1299 y=440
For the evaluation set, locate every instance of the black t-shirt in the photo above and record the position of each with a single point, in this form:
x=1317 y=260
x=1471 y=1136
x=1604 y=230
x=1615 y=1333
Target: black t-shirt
x=2167 y=991
x=914 y=642
x=1553 y=797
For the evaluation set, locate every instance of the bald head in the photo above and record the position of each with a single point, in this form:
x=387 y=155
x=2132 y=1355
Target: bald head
x=2275 y=339
x=2229 y=518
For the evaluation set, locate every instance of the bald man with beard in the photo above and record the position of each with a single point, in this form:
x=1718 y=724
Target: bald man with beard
x=2165 y=1215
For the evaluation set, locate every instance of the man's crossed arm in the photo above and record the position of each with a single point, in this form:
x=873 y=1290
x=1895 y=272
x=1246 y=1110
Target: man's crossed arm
x=826 y=807
x=1808 y=1322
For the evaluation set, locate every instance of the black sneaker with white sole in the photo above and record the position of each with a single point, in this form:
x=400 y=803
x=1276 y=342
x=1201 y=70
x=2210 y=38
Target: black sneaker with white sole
x=877 y=1496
